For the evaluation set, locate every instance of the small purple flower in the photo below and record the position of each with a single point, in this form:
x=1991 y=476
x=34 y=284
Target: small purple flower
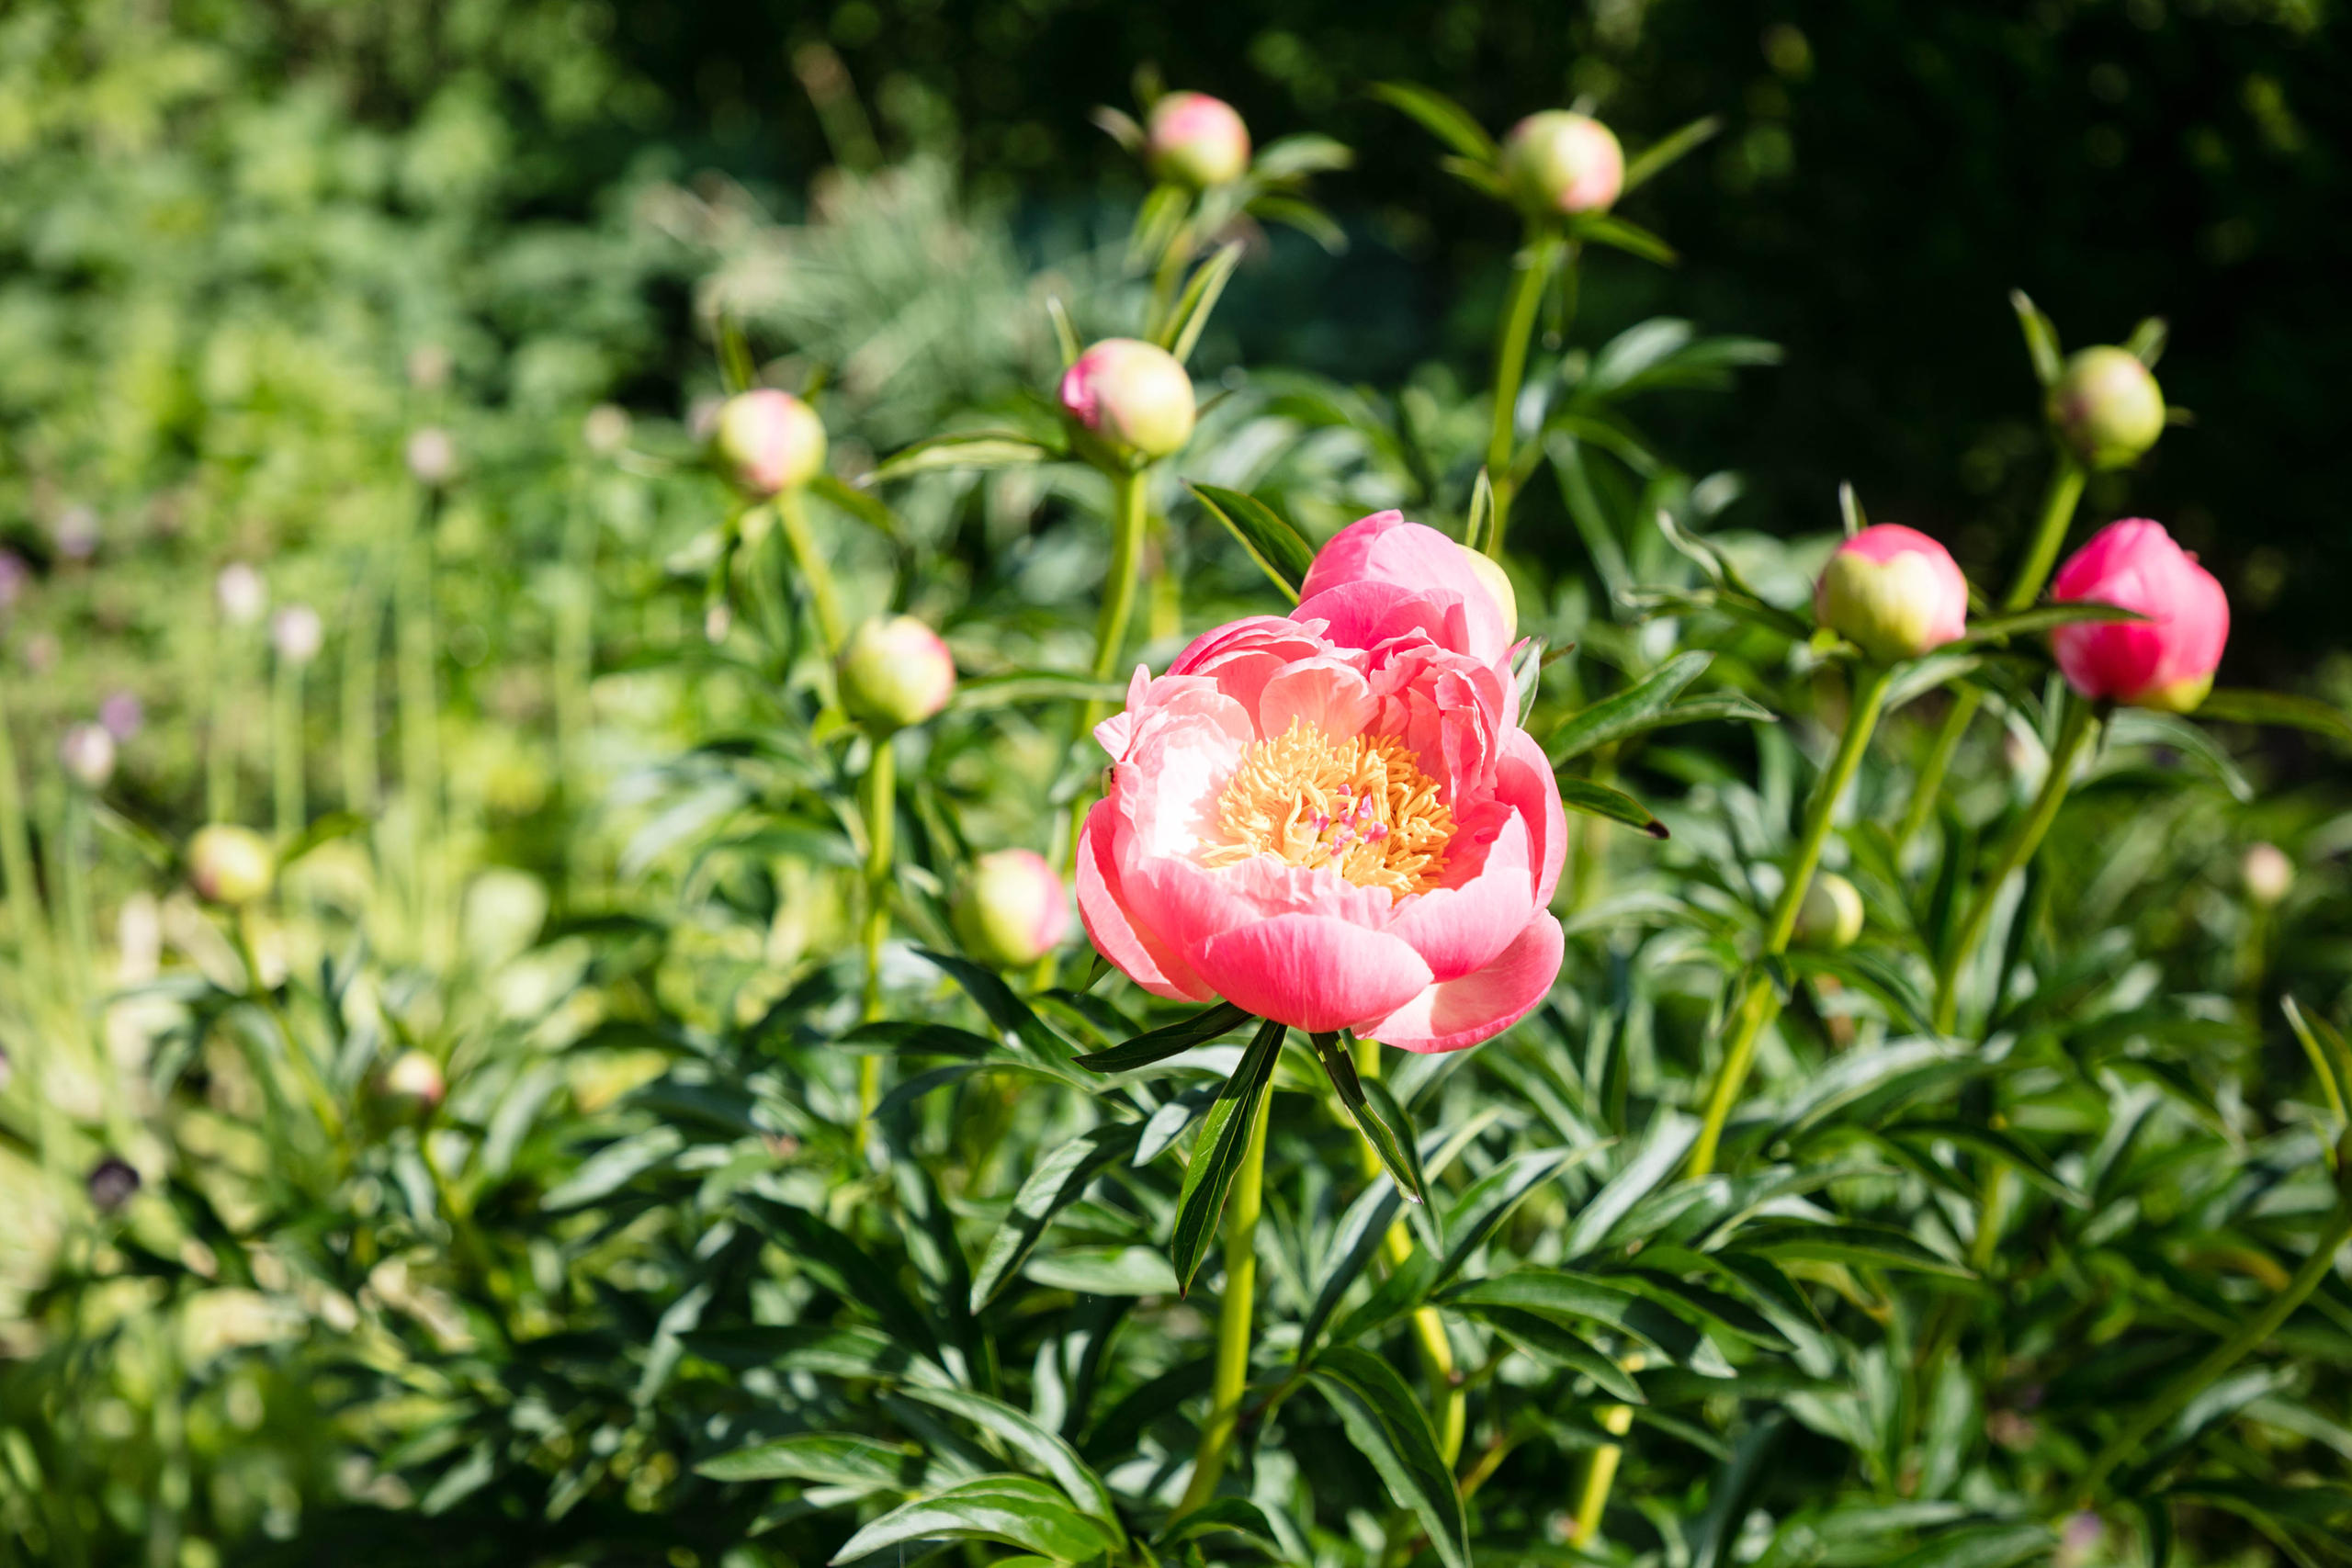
x=123 y=715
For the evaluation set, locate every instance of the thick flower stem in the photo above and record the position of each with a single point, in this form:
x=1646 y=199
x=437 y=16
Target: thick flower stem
x=1756 y=1004
x=1232 y=1375
x=2227 y=1354
x=2058 y=505
x=2019 y=850
x=1602 y=1474
x=878 y=797
x=1128 y=489
x=809 y=561
x=1428 y=1328
x=1531 y=268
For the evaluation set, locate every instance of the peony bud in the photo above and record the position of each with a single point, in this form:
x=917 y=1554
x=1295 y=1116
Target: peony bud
x=1563 y=163
x=123 y=715
x=431 y=456
x=2106 y=406
x=87 y=754
x=895 y=671
x=2269 y=875
x=1197 y=141
x=241 y=593
x=1831 y=915
x=230 y=864
x=111 y=1183
x=1011 y=910
x=767 y=441
x=2166 y=662
x=412 y=1085
x=298 y=634
x=1892 y=592
x=1133 y=396
x=1489 y=571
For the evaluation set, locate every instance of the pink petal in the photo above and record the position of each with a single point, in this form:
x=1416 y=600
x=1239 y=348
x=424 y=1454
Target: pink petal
x=1461 y=927
x=1329 y=695
x=1384 y=549
x=1143 y=956
x=1310 y=971
x=1525 y=782
x=1366 y=614
x=1479 y=1006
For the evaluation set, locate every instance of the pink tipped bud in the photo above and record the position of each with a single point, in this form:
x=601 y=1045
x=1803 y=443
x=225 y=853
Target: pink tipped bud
x=1011 y=910
x=895 y=672
x=1831 y=915
x=1892 y=592
x=766 y=441
x=241 y=593
x=412 y=1085
x=2269 y=875
x=431 y=456
x=1563 y=163
x=2166 y=662
x=88 y=755
x=298 y=634
x=230 y=864
x=1194 y=140
x=2107 y=408
x=1132 y=396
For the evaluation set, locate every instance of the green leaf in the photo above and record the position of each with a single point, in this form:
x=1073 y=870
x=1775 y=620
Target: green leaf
x=966 y=450
x=1480 y=177
x=1669 y=1136
x=1294 y=157
x=1061 y=1177
x=1235 y=1514
x=1304 y=216
x=2331 y=1056
x=1010 y=1508
x=844 y=1268
x=892 y=1036
x=1442 y=118
x=1016 y=686
x=1980 y=1546
x=863 y=505
x=2005 y=1146
x=1629 y=712
x=1051 y=1454
x=1562 y=1292
x=2041 y=618
x=326 y=829
x=1272 y=542
x=994 y=997
x=2146 y=343
x=1488 y=1201
x=1548 y=1340
x=1168 y=1040
x=846 y=1351
x=2040 y=339
x=1190 y=316
x=1383 y=1126
x=1103 y=1271
x=1669 y=150
x=2237 y=705
x=1389 y=1427
x=1801 y=1241
x=1218 y=1152
x=1606 y=228
x=1122 y=128
x=613 y=1167
x=1600 y=800
x=830 y=1459
x=2307 y=1507
x=1354 y=1243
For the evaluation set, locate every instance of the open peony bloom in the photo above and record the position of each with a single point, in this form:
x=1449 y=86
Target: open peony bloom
x=1332 y=819
x=1892 y=592
x=2166 y=662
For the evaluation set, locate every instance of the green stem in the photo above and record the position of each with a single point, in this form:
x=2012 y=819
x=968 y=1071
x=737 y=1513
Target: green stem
x=361 y=643
x=16 y=851
x=1232 y=1376
x=879 y=799
x=793 y=514
x=1128 y=489
x=1166 y=277
x=1531 y=268
x=420 y=722
x=1602 y=1474
x=286 y=736
x=69 y=872
x=2227 y=1354
x=221 y=732
x=575 y=644
x=1756 y=1006
x=2058 y=503
x=2014 y=854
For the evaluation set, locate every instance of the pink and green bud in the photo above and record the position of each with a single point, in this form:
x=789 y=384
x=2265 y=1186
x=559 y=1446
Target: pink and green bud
x=1132 y=396
x=1892 y=592
x=412 y=1085
x=895 y=672
x=1193 y=139
x=2166 y=662
x=2105 y=408
x=230 y=864
x=1556 y=162
x=88 y=755
x=768 y=441
x=1012 y=909
x=1831 y=915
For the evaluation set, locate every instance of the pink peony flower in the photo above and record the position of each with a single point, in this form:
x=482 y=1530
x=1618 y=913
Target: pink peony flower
x=1196 y=140
x=2166 y=662
x=1332 y=819
x=1892 y=592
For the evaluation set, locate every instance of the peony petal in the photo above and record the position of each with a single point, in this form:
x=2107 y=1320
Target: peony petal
x=1311 y=972
x=1327 y=694
x=1139 y=954
x=1479 y=1006
x=1366 y=614
x=1526 y=783
x=1460 y=929
x=1384 y=549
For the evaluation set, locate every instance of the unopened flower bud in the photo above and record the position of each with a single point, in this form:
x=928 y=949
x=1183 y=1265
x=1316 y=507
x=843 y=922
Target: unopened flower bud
x=2165 y=662
x=111 y=1183
x=1892 y=592
x=1194 y=140
x=123 y=715
x=411 y=1085
x=1489 y=571
x=241 y=593
x=1011 y=910
x=1132 y=396
x=87 y=754
x=431 y=456
x=1556 y=162
x=1831 y=915
x=766 y=441
x=230 y=864
x=895 y=672
x=298 y=634
x=605 y=430
x=2269 y=874
x=2107 y=408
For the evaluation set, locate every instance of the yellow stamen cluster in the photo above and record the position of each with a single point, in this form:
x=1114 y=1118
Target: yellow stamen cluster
x=1361 y=806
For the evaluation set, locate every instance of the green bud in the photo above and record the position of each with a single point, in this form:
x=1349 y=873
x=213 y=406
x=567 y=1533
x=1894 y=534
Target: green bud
x=1831 y=915
x=230 y=864
x=2107 y=408
x=895 y=672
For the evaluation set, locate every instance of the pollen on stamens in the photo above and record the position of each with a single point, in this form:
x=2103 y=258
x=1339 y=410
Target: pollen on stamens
x=1360 y=806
